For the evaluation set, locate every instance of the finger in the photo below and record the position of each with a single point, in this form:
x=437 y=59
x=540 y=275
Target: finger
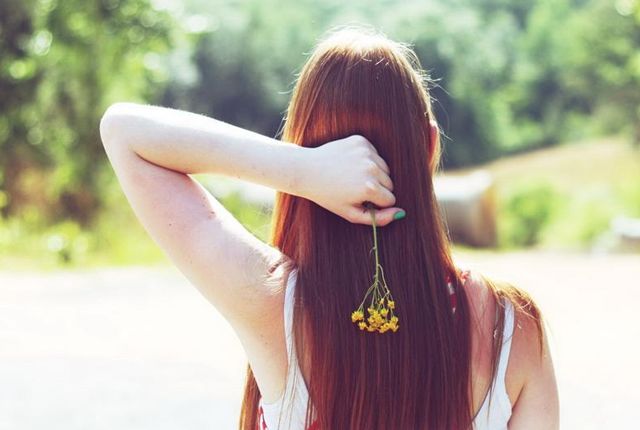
x=383 y=217
x=373 y=153
x=384 y=180
x=381 y=163
x=379 y=195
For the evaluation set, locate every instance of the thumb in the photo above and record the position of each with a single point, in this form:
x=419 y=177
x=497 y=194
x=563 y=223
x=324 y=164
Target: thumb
x=382 y=216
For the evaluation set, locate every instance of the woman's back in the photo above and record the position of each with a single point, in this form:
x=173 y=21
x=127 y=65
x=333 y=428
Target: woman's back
x=491 y=413
x=361 y=83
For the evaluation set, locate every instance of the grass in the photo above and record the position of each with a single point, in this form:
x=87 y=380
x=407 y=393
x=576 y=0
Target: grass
x=116 y=239
x=607 y=164
x=572 y=191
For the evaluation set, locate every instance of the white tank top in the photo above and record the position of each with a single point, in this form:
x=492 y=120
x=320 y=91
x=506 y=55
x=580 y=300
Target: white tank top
x=293 y=407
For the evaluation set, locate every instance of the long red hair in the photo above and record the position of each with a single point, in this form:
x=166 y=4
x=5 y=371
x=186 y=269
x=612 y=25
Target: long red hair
x=357 y=81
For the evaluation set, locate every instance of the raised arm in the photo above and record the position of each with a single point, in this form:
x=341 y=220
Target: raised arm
x=153 y=150
x=338 y=176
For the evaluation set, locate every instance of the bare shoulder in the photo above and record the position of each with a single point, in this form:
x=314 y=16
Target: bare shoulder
x=530 y=378
x=537 y=403
x=479 y=295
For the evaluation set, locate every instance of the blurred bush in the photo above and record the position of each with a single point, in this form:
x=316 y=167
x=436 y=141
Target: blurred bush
x=61 y=64
x=581 y=219
x=114 y=237
x=524 y=213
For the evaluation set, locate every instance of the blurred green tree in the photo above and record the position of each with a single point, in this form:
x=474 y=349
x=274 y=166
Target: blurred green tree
x=603 y=62
x=510 y=75
x=64 y=63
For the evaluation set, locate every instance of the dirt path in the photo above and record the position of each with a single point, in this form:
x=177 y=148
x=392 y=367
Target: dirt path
x=138 y=348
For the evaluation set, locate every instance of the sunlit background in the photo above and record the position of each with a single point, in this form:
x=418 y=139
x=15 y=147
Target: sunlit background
x=540 y=104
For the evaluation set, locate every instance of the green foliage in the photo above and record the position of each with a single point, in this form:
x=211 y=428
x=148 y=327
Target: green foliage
x=581 y=220
x=629 y=193
x=66 y=61
x=525 y=211
x=256 y=219
x=567 y=196
x=510 y=75
x=114 y=237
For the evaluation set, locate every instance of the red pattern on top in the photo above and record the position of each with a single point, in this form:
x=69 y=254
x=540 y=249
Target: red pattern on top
x=453 y=297
x=262 y=423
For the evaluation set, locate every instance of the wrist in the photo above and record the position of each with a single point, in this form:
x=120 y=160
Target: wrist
x=301 y=170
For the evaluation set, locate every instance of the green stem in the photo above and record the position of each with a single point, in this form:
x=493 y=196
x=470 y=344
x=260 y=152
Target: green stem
x=367 y=294
x=375 y=241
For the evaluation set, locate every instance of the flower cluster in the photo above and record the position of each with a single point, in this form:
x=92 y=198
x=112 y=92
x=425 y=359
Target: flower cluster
x=381 y=316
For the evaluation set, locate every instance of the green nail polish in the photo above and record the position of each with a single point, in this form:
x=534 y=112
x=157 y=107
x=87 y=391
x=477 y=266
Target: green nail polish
x=399 y=215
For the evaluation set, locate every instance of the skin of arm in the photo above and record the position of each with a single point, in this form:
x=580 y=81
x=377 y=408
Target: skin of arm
x=153 y=152
x=189 y=143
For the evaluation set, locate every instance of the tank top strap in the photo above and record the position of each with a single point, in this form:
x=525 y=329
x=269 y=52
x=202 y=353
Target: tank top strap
x=496 y=408
x=289 y=302
x=289 y=410
x=297 y=391
x=507 y=335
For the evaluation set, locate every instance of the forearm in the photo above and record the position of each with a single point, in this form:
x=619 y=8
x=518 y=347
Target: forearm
x=190 y=143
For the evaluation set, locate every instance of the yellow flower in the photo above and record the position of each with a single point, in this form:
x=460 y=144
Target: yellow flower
x=378 y=313
x=393 y=324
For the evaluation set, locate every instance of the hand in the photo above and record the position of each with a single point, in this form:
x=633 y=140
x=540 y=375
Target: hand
x=343 y=174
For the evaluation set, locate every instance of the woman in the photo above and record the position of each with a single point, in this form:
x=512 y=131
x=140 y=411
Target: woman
x=464 y=352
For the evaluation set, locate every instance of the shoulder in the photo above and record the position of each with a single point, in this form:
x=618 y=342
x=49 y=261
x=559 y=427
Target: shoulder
x=531 y=381
x=478 y=294
x=528 y=333
x=528 y=354
x=537 y=403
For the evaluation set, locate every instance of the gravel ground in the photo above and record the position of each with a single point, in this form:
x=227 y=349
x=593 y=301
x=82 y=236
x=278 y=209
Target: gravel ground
x=138 y=348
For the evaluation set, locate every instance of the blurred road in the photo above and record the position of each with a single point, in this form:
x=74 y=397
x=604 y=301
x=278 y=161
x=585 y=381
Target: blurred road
x=138 y=348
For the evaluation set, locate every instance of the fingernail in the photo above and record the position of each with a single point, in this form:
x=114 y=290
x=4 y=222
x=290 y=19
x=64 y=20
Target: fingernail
x=399 y=215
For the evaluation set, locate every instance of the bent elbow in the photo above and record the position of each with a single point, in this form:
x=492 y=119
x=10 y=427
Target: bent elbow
x=113 y=122
x=109 y=124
